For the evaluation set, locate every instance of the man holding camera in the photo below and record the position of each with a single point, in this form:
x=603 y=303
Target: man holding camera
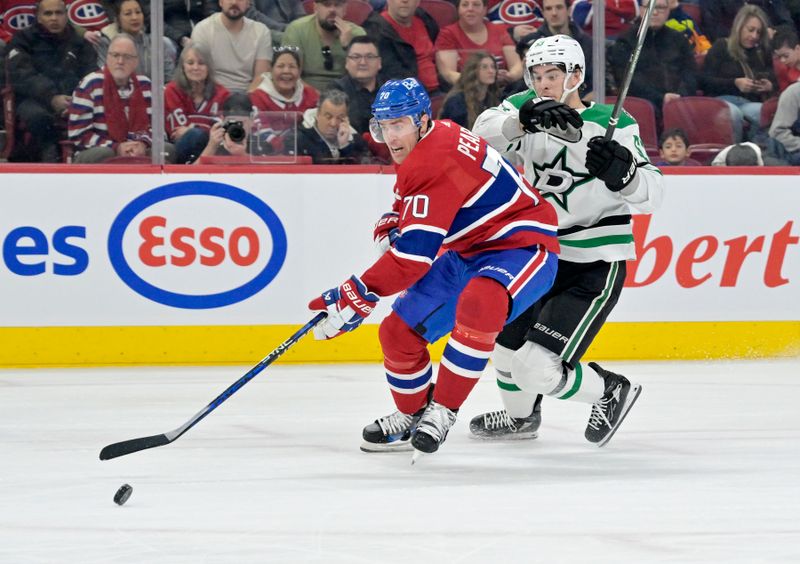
x=229 y=135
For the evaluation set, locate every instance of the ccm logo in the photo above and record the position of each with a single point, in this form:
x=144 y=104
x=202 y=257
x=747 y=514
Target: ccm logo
x=197 y=245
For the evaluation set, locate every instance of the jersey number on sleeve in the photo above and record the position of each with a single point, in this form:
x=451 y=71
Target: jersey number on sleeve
x=418 y=205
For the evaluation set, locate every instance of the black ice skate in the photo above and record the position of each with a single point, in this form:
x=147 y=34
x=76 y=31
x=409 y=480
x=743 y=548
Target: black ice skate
x=390 y=433
x=432 y=428
x=497 y=425
x=610 y=410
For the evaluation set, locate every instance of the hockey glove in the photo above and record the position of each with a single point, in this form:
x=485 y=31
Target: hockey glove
x=549 y=116
x=347 y=306
x=610 y=162
x=386 y=231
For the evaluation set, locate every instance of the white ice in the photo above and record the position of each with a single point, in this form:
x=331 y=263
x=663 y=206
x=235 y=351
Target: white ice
x=705 y=469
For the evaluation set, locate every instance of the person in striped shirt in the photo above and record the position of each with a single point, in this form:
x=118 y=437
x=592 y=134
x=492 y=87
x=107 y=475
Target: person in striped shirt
x=110 y=110
x=594 y=184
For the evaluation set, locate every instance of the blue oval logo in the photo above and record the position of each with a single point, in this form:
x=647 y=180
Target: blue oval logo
x=191 y=301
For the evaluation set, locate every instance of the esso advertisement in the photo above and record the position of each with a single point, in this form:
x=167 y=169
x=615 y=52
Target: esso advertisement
x=197 y=245
x=253 y=249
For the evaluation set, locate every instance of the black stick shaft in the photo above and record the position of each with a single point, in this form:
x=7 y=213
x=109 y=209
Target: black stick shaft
x=626 y=82
x=142 y=443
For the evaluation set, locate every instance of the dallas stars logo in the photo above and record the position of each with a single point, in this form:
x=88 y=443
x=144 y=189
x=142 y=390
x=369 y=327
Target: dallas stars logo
x=556 y=175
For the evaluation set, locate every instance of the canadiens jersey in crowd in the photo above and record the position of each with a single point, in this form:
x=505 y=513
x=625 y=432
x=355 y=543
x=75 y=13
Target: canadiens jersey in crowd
x=181 y=110
x=19 y=14
x=455 y=192
x=515 y=12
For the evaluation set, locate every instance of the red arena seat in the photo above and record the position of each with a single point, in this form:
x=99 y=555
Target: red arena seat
x=442 y=11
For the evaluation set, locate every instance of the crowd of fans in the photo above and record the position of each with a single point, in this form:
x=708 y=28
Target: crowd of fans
x=286 y=77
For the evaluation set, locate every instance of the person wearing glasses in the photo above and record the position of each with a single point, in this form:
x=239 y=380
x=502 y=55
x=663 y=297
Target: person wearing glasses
x=282 y=89
x=109 y=115
x=45 y=63
x=362 y=80
x=323 y=38
x=666 y=69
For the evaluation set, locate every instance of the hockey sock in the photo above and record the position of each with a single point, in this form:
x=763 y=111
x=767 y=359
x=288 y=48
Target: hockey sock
x=581 y=384
x=518 y=403
x=480 y=315
x=407 y=364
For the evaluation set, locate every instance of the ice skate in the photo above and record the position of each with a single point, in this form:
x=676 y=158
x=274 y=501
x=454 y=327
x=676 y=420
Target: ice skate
x=390 y=433
x=432 y=428
x=610 y=410
x=498 y=425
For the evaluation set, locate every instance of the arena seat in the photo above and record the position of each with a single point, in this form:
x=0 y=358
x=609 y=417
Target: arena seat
x=443 y=12
x=357 y=10
x=707 y=122
x=645 y=115
x=694 y=12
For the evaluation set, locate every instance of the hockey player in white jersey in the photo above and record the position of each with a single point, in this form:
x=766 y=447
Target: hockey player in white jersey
x=594 y=184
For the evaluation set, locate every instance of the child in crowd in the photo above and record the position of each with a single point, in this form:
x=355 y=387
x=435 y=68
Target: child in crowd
x=673 y=148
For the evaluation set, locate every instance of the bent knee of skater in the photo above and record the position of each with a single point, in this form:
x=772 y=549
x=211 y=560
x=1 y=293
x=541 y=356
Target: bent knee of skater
x=536 y=369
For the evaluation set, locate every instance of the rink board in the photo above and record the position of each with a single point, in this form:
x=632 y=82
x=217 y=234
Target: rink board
x=202 y=267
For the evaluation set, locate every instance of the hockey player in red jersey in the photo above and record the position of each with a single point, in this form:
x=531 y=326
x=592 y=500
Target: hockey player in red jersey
x=453 y=193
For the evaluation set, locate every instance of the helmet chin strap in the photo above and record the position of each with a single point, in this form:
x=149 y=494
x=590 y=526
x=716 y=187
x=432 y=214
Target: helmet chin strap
x=568 y=91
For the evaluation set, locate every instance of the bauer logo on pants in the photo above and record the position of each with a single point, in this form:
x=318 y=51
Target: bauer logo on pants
x=164 y=250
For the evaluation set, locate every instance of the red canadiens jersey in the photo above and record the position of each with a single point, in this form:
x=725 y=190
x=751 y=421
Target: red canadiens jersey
x=455 y=192
x=180 y=110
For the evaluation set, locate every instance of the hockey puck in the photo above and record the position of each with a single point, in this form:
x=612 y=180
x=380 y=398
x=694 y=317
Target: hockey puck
x=123 y=493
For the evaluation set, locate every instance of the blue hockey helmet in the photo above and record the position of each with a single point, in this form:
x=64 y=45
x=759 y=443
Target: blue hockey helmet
x=399 y=98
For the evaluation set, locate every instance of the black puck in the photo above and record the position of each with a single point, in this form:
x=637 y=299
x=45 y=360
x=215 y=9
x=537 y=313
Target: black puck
x=123 y=493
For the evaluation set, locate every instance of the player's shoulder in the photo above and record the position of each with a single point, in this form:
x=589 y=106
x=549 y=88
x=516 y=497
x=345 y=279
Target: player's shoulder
x=601 y=114
x=516 y=100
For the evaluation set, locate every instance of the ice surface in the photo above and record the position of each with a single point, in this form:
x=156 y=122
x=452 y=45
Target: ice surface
x=705 y=469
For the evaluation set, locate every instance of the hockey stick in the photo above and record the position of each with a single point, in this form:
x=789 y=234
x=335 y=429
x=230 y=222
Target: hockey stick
x=626 y=82
x=135 y=445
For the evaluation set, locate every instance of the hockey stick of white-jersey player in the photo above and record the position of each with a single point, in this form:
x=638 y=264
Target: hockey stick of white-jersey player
x=135 y=445
x=626 y=82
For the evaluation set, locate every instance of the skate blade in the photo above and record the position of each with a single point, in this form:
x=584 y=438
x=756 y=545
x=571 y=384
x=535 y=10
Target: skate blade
x=508 y=437
x=416 y=456
x=633 y=395
x=404 y=446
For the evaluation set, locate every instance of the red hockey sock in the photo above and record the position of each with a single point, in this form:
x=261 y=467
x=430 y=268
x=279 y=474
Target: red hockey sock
x=480 y=315
x=407 y=363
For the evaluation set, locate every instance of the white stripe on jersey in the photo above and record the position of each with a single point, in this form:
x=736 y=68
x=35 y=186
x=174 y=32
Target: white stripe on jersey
x=415 y=258
x=495 y=212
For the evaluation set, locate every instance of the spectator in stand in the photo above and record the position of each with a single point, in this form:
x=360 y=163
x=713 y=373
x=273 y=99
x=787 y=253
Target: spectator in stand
x=666 y=68
x=128 y=18
x=471 y=33
x=558 y=22
x=237 y=110
x=673 y=148
x=619 y=15
x=240 y=48
x=718 y=15
x=784 y=133
x=191 y=103
x=406 y=35
x=326 y=135
x=682 y=22
x=362 y=80
x=110 y=110
x=323 y=38
x=276 y=15
x=282 y=89
x=518 y=17
x=475 y=91
x=786 y=61
x=180 y=16
x=738 y=69
x=46 y=61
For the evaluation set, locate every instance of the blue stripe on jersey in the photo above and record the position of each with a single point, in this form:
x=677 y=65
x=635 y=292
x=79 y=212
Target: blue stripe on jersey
x=499 y=193
x=420 y=243
x=410 y=384
x=548 y=232
x=464 y=361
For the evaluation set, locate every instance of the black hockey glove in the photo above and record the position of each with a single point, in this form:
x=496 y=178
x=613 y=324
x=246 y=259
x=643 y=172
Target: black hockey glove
x=610 y=162
x=539 y=114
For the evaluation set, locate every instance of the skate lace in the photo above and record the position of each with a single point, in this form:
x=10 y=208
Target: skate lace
x=395 y=423
x=498 y=420
x=600 y=408
x=437 y=421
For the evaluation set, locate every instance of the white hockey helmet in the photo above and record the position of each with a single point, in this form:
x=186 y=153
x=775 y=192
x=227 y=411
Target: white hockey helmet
x=559 y=50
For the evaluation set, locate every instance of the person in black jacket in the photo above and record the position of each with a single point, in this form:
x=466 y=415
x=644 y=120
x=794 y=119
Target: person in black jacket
x=46 y=61
x=326 y=134
x=179 y=19
x=718 y=15
x=666 y=68
x=362 y=80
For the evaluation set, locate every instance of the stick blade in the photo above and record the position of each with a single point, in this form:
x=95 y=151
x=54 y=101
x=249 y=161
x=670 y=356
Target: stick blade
x=133 y=445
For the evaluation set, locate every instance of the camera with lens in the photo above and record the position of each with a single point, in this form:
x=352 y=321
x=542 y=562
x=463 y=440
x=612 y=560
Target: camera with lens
x=235 y=130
